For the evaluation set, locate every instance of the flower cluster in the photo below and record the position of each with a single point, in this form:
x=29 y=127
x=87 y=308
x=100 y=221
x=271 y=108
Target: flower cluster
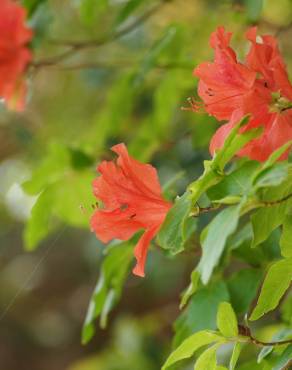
x=132 y=200
x=259 y=87
x=14 y=53
x=130 y=191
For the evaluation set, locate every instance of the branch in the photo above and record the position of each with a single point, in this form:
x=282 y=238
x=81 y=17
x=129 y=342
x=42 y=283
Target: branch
x=245 y=331
x=261 y=204
x=77 y=46
x=275 y=202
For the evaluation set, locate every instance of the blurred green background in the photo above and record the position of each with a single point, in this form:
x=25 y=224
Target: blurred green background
x=127 y=89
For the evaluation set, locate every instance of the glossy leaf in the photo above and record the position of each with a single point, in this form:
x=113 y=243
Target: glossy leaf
x=235 y=355
x=276 y=283
x=226 y=320
x=190 y=345
x=286 y=237
x=204 y=304
x=191 y=289
x=207 y=360
x=172 y=233
x=217 y=232
x=108 y=289
x=39 y=225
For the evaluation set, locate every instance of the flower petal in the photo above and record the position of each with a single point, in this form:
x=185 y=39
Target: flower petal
x=116 y=224
x=144 y=176
x=141 y=250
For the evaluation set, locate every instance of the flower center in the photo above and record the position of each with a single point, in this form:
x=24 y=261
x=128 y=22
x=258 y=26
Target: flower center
x=279 y=103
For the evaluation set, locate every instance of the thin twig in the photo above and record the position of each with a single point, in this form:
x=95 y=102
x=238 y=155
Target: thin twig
x=77 y=46
x=261 y=204
x=275 y=202
x=269 y=344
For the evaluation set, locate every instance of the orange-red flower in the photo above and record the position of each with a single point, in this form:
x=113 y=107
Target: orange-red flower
x=132 y=200
x=259 y=86
x=14 y=54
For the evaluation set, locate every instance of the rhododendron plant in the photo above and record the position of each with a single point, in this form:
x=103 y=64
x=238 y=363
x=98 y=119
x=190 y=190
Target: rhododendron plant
x=131 y=200
x=219 y=220
x=14 y=53
x=259 y=86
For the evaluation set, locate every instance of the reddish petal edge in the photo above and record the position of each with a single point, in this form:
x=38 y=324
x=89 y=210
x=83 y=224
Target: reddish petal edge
x=141 y=250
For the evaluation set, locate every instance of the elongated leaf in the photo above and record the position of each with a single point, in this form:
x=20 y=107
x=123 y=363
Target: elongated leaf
x=126 y=11
x=207 y=360
x=52 y=168
x=237 y=182
x=154 y=52
x=284 y=359
x=279 y=336
x=233 y=143
x=38 y=225
x=286 y=237
x=191 y=289
x=272 y=176
x=275 y=285
x=226 y=320
x=243 y=286
x=172 y=233
x=221 y=227
x=190 y=346
x=108 y=289
x=275 y=156
x=254 y=8
x=264 y=221
x=235 y=355
x=204 y=304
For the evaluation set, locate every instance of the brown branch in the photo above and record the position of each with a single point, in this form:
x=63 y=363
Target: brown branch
x=275 y=202
x=268 y=344
x=77 y=46
x=262 y=204
x=245 y=331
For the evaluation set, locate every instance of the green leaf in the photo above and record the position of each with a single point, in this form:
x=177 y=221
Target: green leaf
x=286 y=237
x=235 y=355
x=284 y=359
x=207 y=360
x=50 y=170
x=238 y=182
x=217 y=232
x=276 y=282
x=264 y=221
x=92 y=10
x=172 y=233
x=126 y=11
x=38 y=225
x=243 y=286
x=204 y=305
x=190 y=345
x=108 y=289
x=32 y=5
x=233 y=143
x=214 y=169
x=283 y=334
x=71 y=192
x=226 y=320
x=154 y=52
x=272 y=176
x=191 y=289
x=254 y=9
x=275 y=156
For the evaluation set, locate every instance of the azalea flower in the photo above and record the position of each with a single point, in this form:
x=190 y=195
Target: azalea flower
x=132 y=200
x=259 y=87
x=14 y=53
